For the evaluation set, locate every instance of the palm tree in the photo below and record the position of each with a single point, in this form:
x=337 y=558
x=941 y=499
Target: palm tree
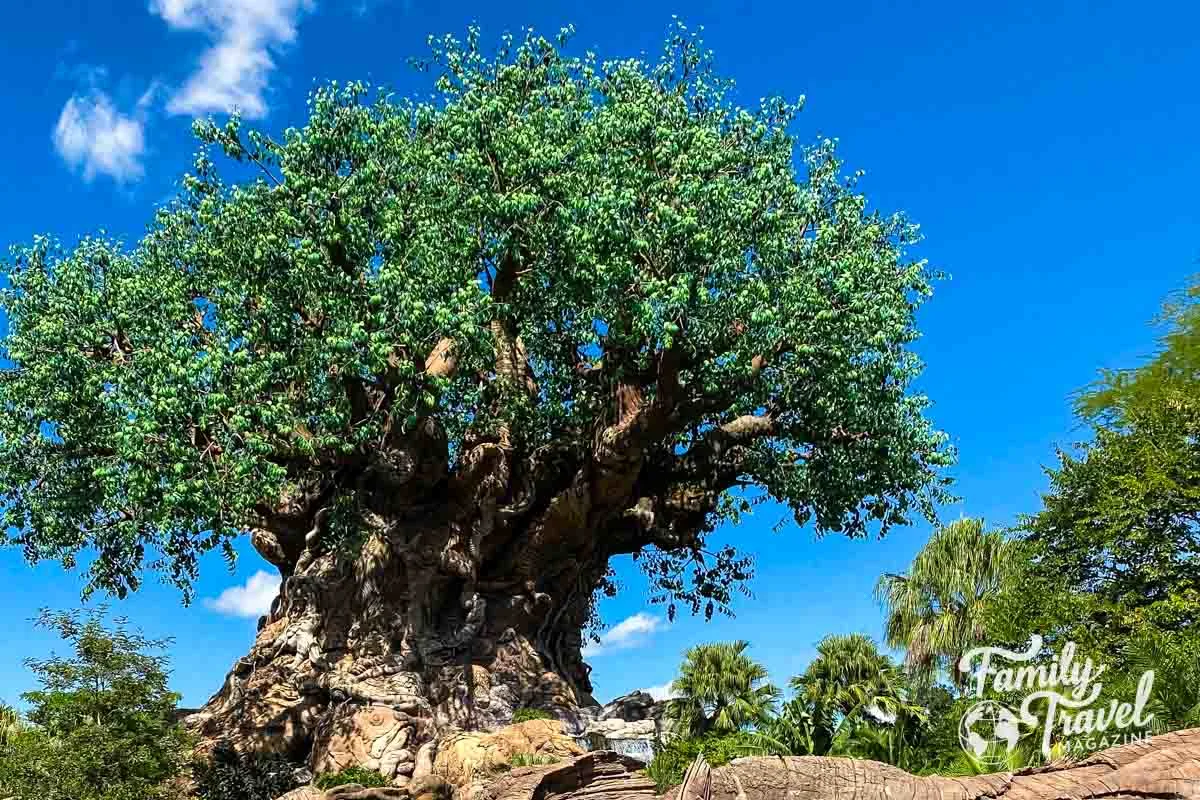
x=856 y=693
x=938 y=609
x=1175 y=660
x=10 y=724
x=720 y=689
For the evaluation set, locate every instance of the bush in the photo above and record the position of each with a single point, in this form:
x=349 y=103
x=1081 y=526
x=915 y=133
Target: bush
x=102 y=724
x=526 y=714
x=531 y=760
x=231 y=776
x=673 y=757
x=360 y=775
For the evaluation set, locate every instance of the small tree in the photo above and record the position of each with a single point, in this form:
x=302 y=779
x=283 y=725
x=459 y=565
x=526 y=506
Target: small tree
x=853 y=700
x=939 y=608
x=721 y=690
x=102 y=725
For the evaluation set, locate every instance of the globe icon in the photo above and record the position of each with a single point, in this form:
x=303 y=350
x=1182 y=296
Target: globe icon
x=984 y=727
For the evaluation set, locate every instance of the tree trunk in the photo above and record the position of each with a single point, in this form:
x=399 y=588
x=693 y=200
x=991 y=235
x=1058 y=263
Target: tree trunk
x=366 y=657
x=467 y=595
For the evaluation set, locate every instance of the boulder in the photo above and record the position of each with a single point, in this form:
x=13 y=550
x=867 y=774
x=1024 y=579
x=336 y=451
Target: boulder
x=374 y=737
x=630 y=725
x=464 y=757
x=602 y=775
x=632 y=707
x=353 y=791
x=302 y=793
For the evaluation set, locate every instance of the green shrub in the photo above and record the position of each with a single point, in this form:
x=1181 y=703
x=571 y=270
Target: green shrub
x=674 y=756
x=101 y=723
x=526 y=714
x=531 y=760
x=228 y=775
x=360 y=775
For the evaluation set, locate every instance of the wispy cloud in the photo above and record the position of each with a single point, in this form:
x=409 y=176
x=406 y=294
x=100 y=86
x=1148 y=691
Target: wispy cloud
x=234 y=70
x=630 y=632
x=251 y=600
x=661 y=692
x=93 y=136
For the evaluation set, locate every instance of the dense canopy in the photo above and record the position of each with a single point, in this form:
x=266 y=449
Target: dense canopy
x=578 y=265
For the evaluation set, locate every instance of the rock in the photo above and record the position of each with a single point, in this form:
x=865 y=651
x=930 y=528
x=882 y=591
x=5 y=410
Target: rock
x=601 y=775
x=466 y=756
x=352 y=791
x=1166 y=766
x=620 y=729
x=302 y=793
x=630 y=725
x=423 y=767
x=373 y=737
x=430 y=787
x=634 y=706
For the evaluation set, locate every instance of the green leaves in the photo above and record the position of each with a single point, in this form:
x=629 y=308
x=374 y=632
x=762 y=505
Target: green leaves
x=587 y=221
x=943 y=604
x=1115 y=546
x=720 y=690
x=103 y=725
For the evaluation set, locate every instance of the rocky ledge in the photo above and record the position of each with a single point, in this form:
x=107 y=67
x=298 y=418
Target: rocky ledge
x=628 y=725
x=1164 y=767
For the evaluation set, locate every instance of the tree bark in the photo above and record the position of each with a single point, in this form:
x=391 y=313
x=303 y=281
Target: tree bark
x=419 y=625
x=468 y=593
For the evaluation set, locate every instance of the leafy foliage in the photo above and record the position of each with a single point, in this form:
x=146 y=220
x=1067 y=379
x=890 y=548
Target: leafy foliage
x=360 y=775
x=852 y=700
x=720 y=690
x=531 y=760
x=1175 y=659
x=1115 y=549
x=939 y=608
x=526 y=714
x=553 y=247
x=101 y=723
x=673 y=757
x=229 y=775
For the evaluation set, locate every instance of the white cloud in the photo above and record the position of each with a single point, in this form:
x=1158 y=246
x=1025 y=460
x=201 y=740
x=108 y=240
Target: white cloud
x=661 y=692
x=252 y=600
x=233 y=71
x=93 y=135
x=629 y=632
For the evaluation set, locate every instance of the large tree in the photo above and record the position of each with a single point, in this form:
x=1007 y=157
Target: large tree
x=444 y=360
x=1116 y=546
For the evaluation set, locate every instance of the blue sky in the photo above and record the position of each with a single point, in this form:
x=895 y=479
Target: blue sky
x=1048 y=150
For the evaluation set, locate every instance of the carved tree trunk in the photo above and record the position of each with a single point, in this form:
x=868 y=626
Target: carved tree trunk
x=435 y=621
x=469 y=590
